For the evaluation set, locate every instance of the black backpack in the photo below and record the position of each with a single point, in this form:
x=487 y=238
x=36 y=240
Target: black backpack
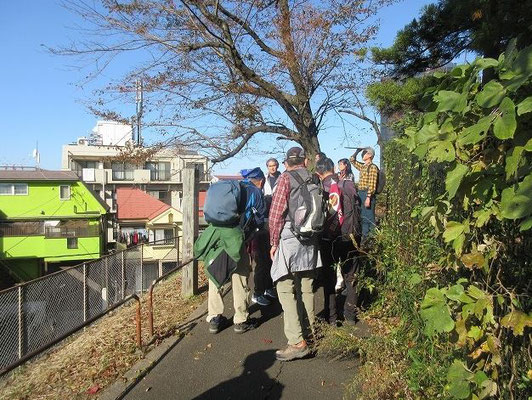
x=381 y=181
x=306 y=206
x=351 y=226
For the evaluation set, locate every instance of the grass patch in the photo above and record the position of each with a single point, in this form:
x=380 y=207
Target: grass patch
x=383 y=363
x=84 y=364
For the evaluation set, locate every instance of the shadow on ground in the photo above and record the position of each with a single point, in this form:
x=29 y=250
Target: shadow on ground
x=254 y=382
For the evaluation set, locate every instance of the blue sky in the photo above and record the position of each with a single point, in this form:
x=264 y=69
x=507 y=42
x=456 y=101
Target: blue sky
x=40 y=100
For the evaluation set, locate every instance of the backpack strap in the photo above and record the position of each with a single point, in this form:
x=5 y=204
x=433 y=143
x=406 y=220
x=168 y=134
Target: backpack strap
x=297 y=177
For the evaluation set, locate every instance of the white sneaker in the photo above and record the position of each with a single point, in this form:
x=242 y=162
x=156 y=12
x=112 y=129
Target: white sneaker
x=260 y=300
x=271 y=293
x=339 y=280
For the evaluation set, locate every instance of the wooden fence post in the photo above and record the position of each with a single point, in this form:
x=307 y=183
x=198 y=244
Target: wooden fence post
x=189 y=276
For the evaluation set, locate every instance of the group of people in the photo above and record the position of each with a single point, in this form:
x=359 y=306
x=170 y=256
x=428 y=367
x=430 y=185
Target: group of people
x=286 y=267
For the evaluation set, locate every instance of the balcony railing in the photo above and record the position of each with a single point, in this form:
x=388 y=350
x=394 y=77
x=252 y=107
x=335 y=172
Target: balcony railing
x=53 y=232
x=160 y=175
x=30 y=228
x=119 y=175
x=38 y=228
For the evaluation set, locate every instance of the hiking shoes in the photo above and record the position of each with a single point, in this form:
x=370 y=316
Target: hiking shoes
x=350 y=322
x=261 y=300
x=271 y=293
x=293 y=352
x=216 y=324
x=245 y=326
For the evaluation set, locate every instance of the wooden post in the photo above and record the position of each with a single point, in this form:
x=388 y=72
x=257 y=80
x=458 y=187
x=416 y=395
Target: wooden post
x=141 y=268
x=189 y=277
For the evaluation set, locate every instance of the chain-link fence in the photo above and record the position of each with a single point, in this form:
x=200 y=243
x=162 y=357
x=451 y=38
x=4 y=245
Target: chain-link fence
x=37 y=313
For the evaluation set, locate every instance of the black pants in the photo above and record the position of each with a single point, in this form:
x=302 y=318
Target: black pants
x=262 y=261
x=344 y=252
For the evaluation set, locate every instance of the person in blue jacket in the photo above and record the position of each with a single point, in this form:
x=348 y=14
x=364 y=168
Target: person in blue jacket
x=253 y=211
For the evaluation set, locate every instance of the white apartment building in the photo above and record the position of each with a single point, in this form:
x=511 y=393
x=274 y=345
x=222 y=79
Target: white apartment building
x=97 y=161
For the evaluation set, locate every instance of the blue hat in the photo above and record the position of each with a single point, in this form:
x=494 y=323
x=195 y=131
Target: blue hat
x=255 y=173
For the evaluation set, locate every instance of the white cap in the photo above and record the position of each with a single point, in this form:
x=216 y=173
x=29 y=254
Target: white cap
x=369 y=150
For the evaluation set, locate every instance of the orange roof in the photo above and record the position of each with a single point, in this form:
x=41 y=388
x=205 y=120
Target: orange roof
x=133 y=203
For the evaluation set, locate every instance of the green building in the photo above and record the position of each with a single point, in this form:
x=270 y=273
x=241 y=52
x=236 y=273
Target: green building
x=48 y=219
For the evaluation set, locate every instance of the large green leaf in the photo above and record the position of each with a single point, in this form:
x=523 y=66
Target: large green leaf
x=512 y=161
x=484 y=63
x=460 y=70
x=458 y=378
x=482 y=216
x=517 y=321
x=427 y=133
x=504 y=127
x=517 y=203
x=435 y=313
x=453 y=229
x=450 y=101
x=515 y=83
x=528 y=145
x=525 y=106
x=458 y=244
x=475 y=133
x=454 y=178
x=455 y=292
x=421 y=150
x=522 y=65
x=441 y=150
x=491 y=94
x=526 y=224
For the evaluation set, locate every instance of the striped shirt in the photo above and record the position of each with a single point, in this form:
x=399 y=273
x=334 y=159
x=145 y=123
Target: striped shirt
x=369 y=174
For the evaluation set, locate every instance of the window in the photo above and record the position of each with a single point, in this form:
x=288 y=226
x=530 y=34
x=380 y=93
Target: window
x=10 y=189
x=122 y=171
x=20 y=189
x=78 y=165
x=72 y=243
x=164 y=236
x=6 y=189
x=64 y=192
x=159 y=171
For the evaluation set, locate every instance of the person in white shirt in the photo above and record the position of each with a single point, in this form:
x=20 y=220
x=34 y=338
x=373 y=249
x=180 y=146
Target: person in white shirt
x=271 y=177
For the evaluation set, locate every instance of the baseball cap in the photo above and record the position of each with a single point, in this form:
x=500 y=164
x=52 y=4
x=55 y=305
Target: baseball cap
x=295 y=152
x=369 y=150
x=253 y=173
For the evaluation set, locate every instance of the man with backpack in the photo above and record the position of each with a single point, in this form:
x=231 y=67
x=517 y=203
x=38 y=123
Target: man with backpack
x=337 y=245
x=367 y=188
x=296 y=217
x=235 y=211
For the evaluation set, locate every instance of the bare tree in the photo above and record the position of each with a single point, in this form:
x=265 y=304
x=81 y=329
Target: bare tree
x=219 y=72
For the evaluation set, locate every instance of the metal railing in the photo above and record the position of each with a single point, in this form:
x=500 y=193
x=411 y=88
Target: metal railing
x=22 y=228
x=41 y=312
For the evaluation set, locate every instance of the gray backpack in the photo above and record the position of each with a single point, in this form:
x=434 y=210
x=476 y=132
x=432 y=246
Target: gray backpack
x=307 y=205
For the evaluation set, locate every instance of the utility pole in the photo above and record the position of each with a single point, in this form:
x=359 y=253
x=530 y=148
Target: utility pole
x=139 y=99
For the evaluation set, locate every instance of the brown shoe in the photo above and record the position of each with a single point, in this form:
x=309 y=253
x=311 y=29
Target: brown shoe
x=293 y=351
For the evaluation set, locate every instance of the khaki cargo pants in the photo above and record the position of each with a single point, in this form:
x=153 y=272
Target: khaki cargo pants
x=241 y=291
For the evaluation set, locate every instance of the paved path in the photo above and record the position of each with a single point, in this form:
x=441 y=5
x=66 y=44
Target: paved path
x=231 y=366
